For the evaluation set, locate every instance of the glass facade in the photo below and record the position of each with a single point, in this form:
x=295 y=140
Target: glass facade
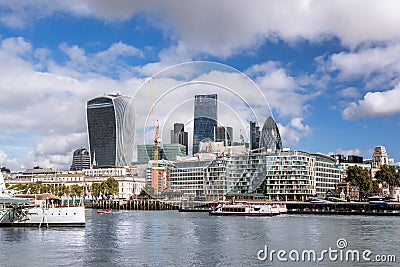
x=179 y=136
x=111 y=130
x=205 y=119
x=270 y=137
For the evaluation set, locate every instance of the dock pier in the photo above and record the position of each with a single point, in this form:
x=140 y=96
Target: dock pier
x=135 y=204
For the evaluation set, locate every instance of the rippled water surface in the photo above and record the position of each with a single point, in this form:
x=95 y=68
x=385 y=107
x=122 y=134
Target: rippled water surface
x=170 y=238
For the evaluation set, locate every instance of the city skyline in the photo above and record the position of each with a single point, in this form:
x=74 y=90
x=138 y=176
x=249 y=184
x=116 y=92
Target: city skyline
x=332 y=87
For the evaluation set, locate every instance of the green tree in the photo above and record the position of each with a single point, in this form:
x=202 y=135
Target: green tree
x=76 y=190
x=362 y=178
x=95 y=190
x=388 y=176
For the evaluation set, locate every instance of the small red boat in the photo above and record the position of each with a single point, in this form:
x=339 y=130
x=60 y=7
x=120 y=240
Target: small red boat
x=107 y=211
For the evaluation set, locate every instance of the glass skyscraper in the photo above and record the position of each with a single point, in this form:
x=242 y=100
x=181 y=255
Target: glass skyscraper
x=205 y=119
x=270 y=137
x=111 y=130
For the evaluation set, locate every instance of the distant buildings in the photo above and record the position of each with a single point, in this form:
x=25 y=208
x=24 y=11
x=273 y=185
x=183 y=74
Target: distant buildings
x=80 y=159
x=223 y=134
x=254 y=135
x=111 y=130
x=205 y=119
x=179 y=136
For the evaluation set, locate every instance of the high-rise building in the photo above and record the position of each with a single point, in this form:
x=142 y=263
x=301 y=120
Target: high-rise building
x=111 y=130
x=80 y=160
x=254 y=135
x=179 y=136
x=270 y=137
x=224 y=134
x=205 y=119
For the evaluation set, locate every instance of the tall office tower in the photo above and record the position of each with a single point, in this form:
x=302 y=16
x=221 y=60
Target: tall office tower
x=205 y=119
x=254 y=135
x=179 y=136
x=80 y=160
x=111 y=130
x=270 y=137
x=224 y=134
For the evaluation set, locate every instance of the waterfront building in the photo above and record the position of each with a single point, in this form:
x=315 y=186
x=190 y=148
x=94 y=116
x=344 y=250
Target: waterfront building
x=277 y=175
x=179 y=136
x=188 y=178
x=80 y=159
x=254 y=135
x=205 y=119
x=111 y=129
x=223 y=134
x=327 y=174
x=37 y=171
x=129 y=183
x=270 y=138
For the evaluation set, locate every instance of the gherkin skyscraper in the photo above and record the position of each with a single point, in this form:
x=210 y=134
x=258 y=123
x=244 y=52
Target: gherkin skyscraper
x=270 y=137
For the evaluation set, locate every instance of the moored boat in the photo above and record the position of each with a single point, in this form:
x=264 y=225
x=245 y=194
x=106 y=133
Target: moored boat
x=107 y=211
x=245 y=209
x=37 y=210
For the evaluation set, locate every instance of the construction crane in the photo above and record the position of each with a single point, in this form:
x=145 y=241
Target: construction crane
x=154 y=172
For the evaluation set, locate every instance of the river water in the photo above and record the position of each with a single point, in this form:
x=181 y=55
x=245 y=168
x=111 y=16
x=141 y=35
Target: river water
x=171 y=238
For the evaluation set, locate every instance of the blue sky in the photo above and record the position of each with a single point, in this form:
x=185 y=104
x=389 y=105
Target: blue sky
x=328 y=69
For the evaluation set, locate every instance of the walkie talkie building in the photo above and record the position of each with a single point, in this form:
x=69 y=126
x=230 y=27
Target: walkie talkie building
x=111 y=130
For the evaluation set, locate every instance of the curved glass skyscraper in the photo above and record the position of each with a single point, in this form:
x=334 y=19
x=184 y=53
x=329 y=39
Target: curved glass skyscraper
x=270 y=137
x=205 y=119
x=111 y=130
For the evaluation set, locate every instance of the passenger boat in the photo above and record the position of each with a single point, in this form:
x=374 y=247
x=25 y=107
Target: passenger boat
x=107 y=211
x=38 y=210
x=246 y=210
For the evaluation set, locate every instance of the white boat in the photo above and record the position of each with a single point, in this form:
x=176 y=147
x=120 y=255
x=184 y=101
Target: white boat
x=245 y=210
x=47 y=211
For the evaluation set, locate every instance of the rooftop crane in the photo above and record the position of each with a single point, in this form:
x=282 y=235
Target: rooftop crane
x=154 y=172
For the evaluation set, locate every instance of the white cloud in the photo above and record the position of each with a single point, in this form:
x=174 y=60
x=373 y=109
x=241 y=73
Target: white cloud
x=283 y=92
x=374 y=104
x=293 y=131
x=45 y=110
x=222 y=29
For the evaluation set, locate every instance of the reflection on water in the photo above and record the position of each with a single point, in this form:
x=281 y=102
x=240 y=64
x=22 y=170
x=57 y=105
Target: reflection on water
x=170 y=238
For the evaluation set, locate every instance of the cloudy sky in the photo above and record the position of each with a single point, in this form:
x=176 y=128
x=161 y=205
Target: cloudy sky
x=329 y=70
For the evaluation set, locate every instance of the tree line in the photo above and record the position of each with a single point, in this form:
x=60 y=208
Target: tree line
x=358 y=176
x=104 y=189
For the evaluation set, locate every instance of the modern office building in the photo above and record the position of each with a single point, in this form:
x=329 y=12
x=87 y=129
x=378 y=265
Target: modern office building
x=205 y=119
x=80 y=159
x=254 y=135
x=270 y=137
x=327 y=174
x=172 y=151
x=179 y=136
x=111 y=130
x=145 y=153
x=223 y=134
